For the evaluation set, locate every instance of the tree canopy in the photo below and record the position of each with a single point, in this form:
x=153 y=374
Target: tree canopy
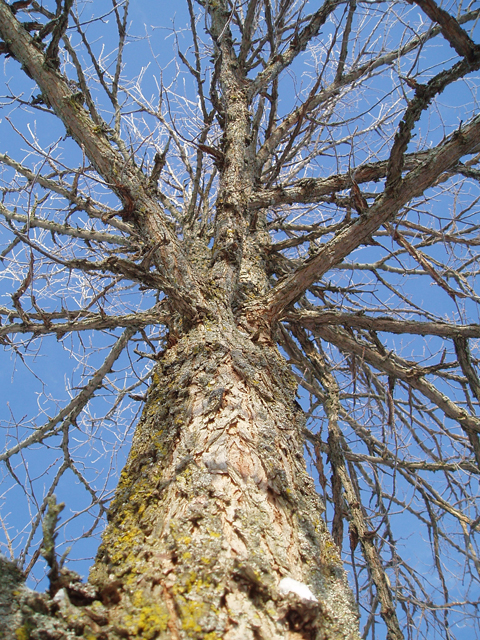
x=308 y=172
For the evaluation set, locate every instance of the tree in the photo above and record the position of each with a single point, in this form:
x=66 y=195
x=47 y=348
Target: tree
x=270 y=217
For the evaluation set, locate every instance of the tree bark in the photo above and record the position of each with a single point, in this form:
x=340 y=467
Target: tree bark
x=216 y=529
x=215 y=510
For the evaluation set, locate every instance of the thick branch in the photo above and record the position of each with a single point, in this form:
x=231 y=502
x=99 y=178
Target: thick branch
x=403 y=370
x=236 y=177
x=451 y=30
x=94 y=321
x=122 y=176
x=64 y=229
x=316 y=319
x=463 y=354
x=311 y=190
x=424 y=94
x=358 y=232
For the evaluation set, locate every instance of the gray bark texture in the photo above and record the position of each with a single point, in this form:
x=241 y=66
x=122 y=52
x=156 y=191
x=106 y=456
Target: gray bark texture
x=216 y=530
x=214 y=507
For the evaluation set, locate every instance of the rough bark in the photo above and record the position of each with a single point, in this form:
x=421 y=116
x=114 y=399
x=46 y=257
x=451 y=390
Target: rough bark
x=215 y=508
x=216 y=529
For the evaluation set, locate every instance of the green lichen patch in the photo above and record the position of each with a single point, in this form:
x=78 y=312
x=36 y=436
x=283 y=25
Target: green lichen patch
x=214 y=504
x=147 y=618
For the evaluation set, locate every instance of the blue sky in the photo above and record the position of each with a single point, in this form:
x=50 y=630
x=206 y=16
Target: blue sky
x=148 y=55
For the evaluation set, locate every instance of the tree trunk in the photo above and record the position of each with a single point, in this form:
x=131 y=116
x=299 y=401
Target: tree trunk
x=215 y=516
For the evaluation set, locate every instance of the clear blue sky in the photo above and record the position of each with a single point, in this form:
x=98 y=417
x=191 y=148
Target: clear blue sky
x=31 y=384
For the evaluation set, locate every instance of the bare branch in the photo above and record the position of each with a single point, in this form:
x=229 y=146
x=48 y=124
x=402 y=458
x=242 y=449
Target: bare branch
x=408 y=372
x=359 y=530
x=72 y=410
x=298 y=44
x=311 y=190
x=313 y=319
x=123 y=178
x=47 y=326
x=65 y=229
x=450 y=28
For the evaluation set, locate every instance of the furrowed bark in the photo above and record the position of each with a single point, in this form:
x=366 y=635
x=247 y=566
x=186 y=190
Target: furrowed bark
x=214 y=507
x=237 y=269
x=216 y=530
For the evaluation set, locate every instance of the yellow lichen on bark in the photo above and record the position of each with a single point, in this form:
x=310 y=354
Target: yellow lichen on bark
x=215 y=507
